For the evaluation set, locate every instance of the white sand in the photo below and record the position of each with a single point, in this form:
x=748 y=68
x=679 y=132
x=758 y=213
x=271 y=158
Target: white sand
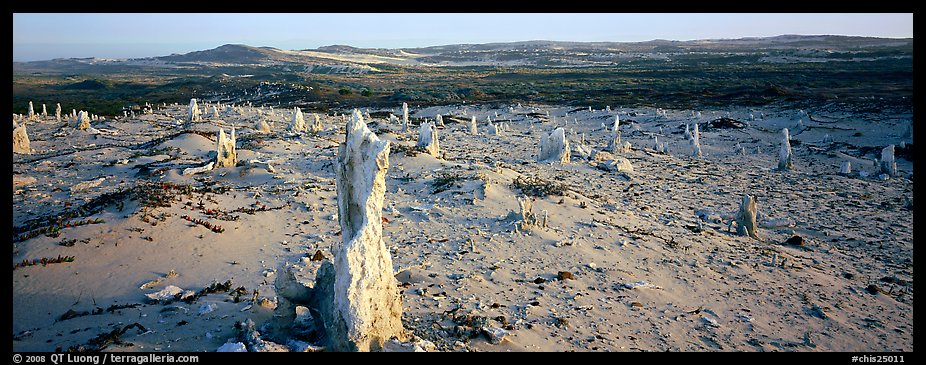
x=717 y=290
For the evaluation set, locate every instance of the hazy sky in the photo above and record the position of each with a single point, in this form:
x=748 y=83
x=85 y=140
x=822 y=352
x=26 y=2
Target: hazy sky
x=48 y=36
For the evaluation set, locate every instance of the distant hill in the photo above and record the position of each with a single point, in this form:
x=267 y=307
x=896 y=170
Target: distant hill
x=542 y=53
x=229 y=53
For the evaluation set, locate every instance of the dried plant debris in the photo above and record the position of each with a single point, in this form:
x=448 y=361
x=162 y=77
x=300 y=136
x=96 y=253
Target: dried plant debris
x=43 y=261
x=410 y=151
x=106 y=339
x=446 y=180
x=207 y=224
x=535 y=186
x=71 y=314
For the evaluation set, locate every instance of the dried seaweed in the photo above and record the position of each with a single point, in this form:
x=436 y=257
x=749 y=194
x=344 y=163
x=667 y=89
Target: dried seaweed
x=44 y=261
x=446 y=180
x=103 y=340
x=535 y=186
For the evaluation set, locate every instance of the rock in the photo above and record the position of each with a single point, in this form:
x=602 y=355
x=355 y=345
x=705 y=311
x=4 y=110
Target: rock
x=887 y=162
x=299 y=346
x=601 y=156
x=427 y=139
x=640 y=285
x=263 y=127
x=167 y=293
x=316 y=125
x=206 y=308
x=83 y=185
x=746 y=218
x=232 y=347
x=818 y=312
x=254 y=342
x=261 y=164
x=614 y=143
x=298 y=121
x=528 y=217
x=198 y=170
x=873 y=289
x=19 y=180
x=194 y=114
x=540 y=280
x=304 y=318
x=695 y=142
x=494 y=129
x=554 y=147
x=394 y=345
x=496 y=335
x=21 y=143
x=226 y=154
x=619 y=164
x=83 y=120
x=565 y=275
x=795 y=241
x=846 y=168
x=405 y=116
x=287 y=286
x=360 y=303
x=582 y=152
x=318 y=256
x=785 y=161
x=269 y=303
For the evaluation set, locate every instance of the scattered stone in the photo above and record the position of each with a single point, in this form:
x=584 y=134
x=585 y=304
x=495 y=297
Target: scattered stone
x=232 y=347
x=19 y=181
x=496 y=335
x=199 y=170
x=565 y=275
x=269 y=303
x=206 y=308
x=641 y=285
x=167 y=293
x=299 y=346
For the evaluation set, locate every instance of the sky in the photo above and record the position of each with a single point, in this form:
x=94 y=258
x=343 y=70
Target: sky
x=44 y=36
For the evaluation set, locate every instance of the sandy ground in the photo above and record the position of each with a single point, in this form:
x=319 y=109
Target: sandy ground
x=457 y=253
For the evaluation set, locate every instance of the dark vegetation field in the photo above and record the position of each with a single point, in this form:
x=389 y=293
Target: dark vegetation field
x=688 y=82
